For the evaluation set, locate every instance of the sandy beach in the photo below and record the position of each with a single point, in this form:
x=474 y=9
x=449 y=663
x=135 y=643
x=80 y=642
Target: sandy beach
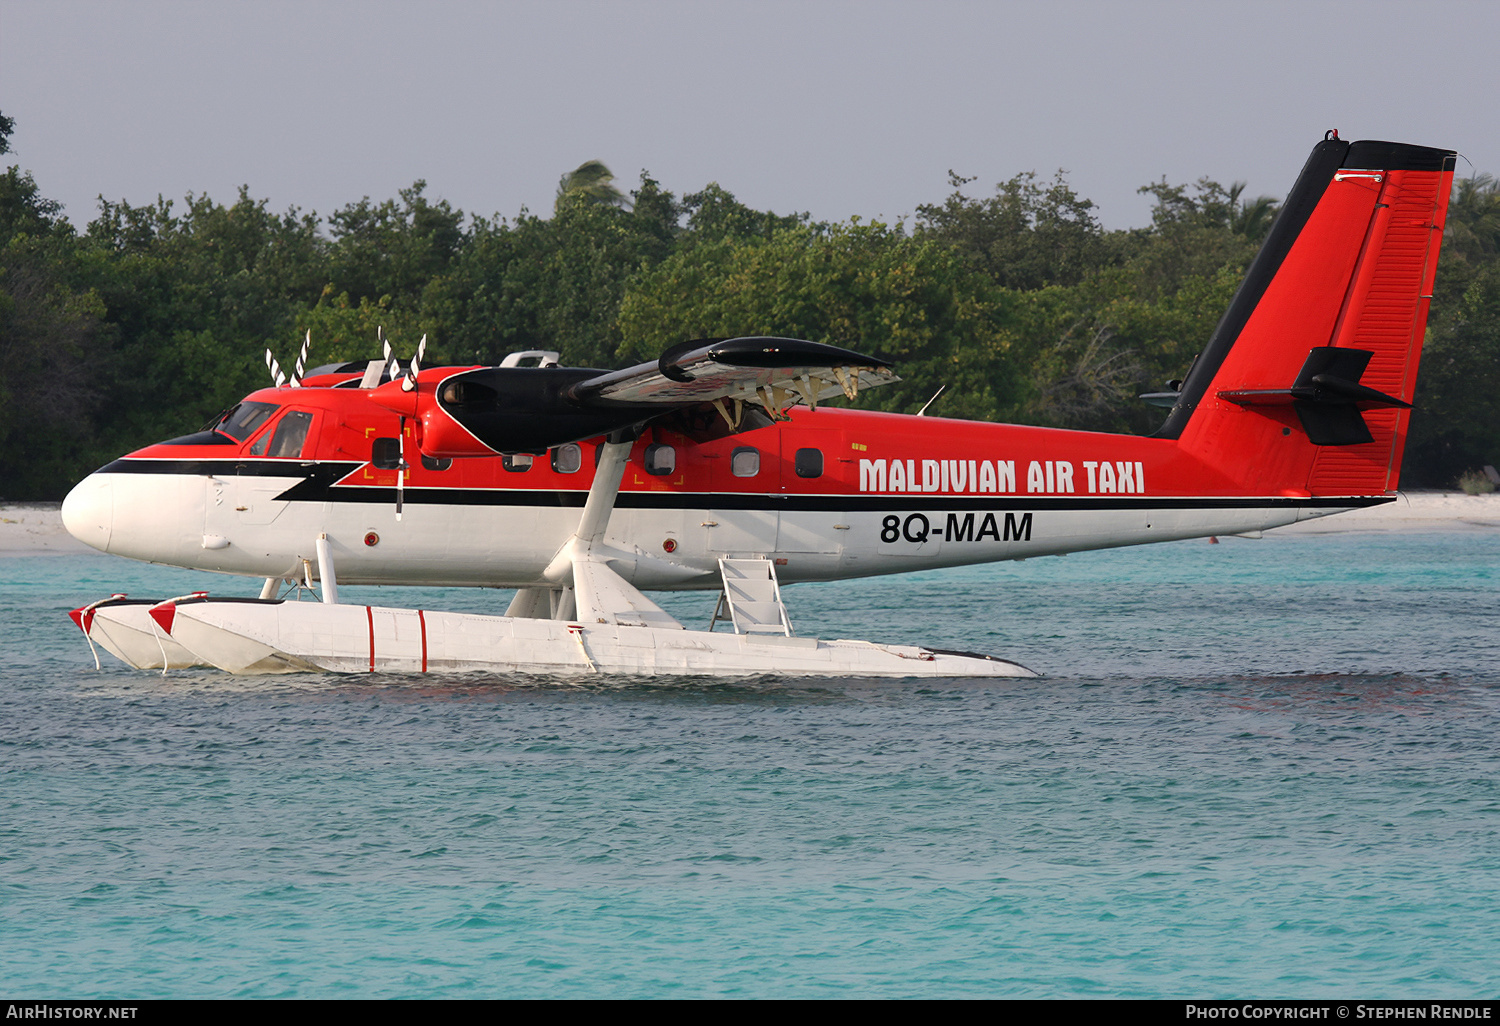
x=37 y=529
x=1412 y=511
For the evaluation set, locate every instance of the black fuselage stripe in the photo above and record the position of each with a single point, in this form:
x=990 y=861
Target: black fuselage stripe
x=230 y=468
x=316 y=484
x=841 y=503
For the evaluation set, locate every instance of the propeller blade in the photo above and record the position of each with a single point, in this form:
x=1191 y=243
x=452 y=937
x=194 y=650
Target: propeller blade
x=275 y=369
x=401 y=468
x=298 y=371
x=415 y=368
x=391 y=362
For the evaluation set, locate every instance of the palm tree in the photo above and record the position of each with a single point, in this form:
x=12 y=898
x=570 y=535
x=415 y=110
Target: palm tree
x=1474 y=218
x=1250 y=218
x=590 y=182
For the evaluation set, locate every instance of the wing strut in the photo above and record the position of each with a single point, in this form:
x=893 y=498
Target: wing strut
x=587 y=570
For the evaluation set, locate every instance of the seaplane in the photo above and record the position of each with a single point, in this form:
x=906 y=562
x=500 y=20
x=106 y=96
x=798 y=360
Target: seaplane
x=722 y=467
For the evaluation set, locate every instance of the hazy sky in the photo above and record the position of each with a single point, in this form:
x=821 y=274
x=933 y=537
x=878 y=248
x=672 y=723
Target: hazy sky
x=836 y=108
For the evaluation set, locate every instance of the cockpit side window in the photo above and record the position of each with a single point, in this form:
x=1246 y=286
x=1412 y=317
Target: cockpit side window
x=286 y=439
x=291 y=435
x=245 y=419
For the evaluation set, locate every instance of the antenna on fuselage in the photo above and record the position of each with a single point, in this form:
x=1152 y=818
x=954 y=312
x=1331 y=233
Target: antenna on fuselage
x=923 y=411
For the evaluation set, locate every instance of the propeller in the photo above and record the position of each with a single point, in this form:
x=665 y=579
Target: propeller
x=406 y=408
x=408 y=384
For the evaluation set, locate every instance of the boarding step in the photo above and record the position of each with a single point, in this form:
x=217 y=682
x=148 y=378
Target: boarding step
x=754 y=597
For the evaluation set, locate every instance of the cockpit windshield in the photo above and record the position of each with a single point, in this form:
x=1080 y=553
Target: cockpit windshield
x=243 y=420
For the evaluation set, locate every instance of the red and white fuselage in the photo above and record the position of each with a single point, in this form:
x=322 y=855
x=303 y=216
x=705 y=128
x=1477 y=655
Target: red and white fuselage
x=876 y=494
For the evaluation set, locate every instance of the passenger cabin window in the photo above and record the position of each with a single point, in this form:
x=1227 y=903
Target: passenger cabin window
x=385 y=453
x=809 y=462
x=567 y=459
x=245 y=419
x=660 y=459
x=436 y=463
x=517 y=463
x=744 y=462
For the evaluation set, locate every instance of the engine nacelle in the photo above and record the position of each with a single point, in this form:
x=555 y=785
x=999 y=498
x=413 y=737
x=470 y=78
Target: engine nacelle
x=486 y=411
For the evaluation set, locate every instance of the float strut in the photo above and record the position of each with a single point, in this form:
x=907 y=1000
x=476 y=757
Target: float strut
x=326 y=574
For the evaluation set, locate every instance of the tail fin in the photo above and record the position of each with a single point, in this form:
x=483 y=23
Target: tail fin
x=1304 y=386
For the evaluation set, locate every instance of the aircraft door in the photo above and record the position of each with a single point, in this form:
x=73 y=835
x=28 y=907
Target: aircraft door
x=745 y=486
x=270 y=466
x=813 y=481
x=657 y=468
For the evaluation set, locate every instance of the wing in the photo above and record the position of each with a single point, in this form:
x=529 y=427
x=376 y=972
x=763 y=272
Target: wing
x=749 y=382
x=705 y=389
x=774 y=373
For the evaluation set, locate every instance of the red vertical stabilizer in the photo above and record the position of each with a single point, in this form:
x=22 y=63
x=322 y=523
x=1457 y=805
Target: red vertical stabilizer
x=1305 y=386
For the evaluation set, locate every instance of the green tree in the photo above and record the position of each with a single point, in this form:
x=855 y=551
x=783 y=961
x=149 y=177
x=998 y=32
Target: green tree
x=194 y=300
x=394 y=249
x=1026 y=236
x=51 y=343
x=1473 y=230
x=557 y=284
x=50 y=347
x=714 y=214
x=1194 y=233
x=1455 y=423
x=862 y=286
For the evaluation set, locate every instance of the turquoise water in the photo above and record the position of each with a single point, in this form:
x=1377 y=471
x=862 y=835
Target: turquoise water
x=1260 y=768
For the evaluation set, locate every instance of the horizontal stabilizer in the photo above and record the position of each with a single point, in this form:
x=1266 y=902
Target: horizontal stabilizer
x=1327 y=396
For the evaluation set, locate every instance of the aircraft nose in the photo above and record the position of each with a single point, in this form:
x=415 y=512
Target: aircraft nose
x=88 y=512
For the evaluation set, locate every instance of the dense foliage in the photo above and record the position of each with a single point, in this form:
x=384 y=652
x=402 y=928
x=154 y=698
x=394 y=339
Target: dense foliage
x=153 y=318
